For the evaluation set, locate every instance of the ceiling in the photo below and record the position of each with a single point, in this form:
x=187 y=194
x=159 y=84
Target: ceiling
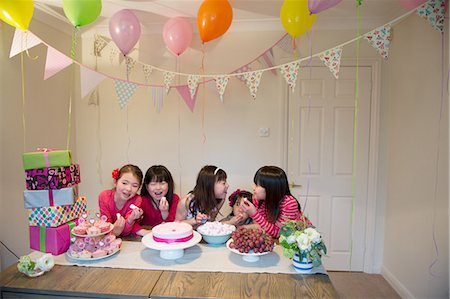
x=248 y=15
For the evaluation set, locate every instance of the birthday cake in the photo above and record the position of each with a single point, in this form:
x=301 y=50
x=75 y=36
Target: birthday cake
x=172 y=232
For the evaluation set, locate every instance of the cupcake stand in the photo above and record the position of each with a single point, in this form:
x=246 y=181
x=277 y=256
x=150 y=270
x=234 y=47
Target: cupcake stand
x=170 y=251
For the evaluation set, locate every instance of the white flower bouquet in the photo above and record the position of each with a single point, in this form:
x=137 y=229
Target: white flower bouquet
x=297 y=237
x=32 y=268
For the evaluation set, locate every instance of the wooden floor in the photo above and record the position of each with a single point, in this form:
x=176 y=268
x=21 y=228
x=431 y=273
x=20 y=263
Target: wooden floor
x=361 y=285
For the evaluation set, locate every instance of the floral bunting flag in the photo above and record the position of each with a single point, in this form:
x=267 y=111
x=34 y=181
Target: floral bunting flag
x=124 y=91
x=266 y=60
x=147 y=69
x=221 y=84
x=113 y=53
x=332 y=59
x=130 y=63
x=193 y=83
x=286 y=44
x=99 y=44
x=379 y=39
x=168 y=77
x=243 y=69
x=252 y=80
x=434 y=12
x=290 y=72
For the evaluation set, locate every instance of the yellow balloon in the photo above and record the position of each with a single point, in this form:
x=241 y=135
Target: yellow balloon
x=295 y=17
x=17 y=13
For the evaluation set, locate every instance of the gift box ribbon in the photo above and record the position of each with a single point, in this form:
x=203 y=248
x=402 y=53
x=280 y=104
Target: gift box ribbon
x=45 y=152
x=42 y=231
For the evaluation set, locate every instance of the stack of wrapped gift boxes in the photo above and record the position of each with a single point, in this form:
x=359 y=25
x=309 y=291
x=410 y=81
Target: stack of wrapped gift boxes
x=52 y=199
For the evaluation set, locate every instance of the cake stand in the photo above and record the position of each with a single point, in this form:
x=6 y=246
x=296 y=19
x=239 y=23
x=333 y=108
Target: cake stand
x=170 y=251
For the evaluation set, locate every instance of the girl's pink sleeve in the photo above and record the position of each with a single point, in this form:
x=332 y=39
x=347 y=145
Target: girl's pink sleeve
x=105 y=206
x=134 y=227
x=173 y=209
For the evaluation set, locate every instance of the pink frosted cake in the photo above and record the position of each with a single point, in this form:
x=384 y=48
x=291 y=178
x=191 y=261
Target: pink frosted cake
x=172 y=232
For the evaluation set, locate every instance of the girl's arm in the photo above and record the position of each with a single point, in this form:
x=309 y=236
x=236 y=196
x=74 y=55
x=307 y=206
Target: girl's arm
x=173 y=208
x=182 y=212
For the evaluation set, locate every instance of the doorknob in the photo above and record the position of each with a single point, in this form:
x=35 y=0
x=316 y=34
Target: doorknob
x=294 y=185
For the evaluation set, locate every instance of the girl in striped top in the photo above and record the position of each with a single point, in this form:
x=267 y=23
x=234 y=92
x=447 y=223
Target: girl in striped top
x=273 y=203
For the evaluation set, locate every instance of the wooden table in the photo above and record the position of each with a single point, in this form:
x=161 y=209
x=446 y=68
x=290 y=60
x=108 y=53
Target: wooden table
x=89 y=282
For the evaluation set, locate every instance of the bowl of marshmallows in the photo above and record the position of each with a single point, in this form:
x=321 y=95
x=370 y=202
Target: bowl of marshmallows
x=216 y=233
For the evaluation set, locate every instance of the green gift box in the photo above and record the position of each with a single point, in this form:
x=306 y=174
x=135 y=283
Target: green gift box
x=46 y=158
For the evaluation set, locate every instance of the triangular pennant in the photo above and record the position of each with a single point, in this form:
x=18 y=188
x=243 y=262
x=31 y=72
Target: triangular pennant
x=332 y=59
x=168 y=77
x=56 y=61
x=94 y=98
x=124 y=91
x=130 y=62
x=113 y=53
x=434 y=12
x=185 y=94
x=286 y=44
x=147 y=69
x=252 y=80
x=23 y=40
x=379 y=38
x=243 y=69
x=221 y=84
x=193 y=83
x=266 y=60
x=100 y=43
x=89 y=79
x=290 y=72
x=158 y=97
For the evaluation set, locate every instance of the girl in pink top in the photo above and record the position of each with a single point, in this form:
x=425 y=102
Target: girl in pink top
x=159 y=203
x=121 y=205
x=272 y=204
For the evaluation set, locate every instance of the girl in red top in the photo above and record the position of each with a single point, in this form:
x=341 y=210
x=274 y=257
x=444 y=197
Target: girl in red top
x=273 y=203
x=159 y=203
x=121 y=205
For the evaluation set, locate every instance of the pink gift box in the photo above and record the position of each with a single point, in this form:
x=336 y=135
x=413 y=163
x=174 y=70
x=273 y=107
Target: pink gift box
x=54 y=240
x=52 y=177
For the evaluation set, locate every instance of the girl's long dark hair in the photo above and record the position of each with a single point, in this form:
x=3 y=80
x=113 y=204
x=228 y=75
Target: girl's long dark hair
x=274 y=180
x=204 y=198
x=158 y=174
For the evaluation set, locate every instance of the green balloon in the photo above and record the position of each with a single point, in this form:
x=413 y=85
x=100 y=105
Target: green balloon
x=82 y=12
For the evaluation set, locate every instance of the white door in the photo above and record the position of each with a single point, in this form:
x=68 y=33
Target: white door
x=320 y=158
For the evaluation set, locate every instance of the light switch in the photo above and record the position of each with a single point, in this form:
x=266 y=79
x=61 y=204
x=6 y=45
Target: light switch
x=264 y=132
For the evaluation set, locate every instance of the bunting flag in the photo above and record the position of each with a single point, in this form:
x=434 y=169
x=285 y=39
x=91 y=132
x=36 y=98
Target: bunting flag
x=332 y=59
x=290 y=72
x=158 y=97
x=168 y=77
x=221 y=84
x=252 y=80
x=99 y=44
x=147 y=69
x=267 y=60
x=89 y=79
x=113 y=53
x=94 y=98
x=185 y=94
x=193 y=83
x=243 y=69
x=124 y=91
x=22 y=41
x=130 y=63
x=56 y=61
x=379 y=38
x=434 y=12
x=286 y=44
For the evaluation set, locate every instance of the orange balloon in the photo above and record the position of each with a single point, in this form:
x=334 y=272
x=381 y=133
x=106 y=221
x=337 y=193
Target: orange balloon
x=213 y=19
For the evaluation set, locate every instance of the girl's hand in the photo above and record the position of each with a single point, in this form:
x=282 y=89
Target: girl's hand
x=163 y=204
x=119 y=225
x=248 y=207
x=201 y=218
x=136 y=213
x=237 y=219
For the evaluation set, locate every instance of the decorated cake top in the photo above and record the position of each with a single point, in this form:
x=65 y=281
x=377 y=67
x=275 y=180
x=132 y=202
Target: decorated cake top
x=178 y=231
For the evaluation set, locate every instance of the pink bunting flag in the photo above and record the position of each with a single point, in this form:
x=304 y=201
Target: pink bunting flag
x=23 y=41
x=124 y=91
x=89 y=79
x=252 y=80
x=286 y=44
x=290 y=72
x=243 y=69
x=434 y=12
x=379 y=38
x=266 y=60
x=332 y=59
x=56 y=61
x=186 y=95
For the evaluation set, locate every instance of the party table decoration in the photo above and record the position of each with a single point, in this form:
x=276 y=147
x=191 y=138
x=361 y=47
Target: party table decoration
x=34 y=268
x=46 y=158
x=52 y=177
x=49 y=198
x=57 y=215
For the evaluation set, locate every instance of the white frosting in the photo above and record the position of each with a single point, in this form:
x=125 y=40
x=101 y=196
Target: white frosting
x=172 y=230
x=216 y=229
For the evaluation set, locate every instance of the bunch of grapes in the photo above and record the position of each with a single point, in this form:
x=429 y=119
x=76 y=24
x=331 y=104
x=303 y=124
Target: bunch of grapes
x=245 y=240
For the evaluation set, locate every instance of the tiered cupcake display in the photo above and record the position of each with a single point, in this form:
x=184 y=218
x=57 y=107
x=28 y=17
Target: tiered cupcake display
x=93 y=239
x=51 y=199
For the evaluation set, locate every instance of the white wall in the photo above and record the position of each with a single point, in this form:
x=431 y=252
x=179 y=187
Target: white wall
x=46 y=106
x=417 y=171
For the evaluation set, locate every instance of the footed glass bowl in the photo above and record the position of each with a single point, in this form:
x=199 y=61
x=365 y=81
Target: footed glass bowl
x=216 y=240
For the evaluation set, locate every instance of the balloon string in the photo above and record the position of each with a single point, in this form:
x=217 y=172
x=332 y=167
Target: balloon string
x=179 y=126
x=204 y=94
x=72 y=76
x=23 y=101
x=127 y=68
x=26 y=47
x=129 y=138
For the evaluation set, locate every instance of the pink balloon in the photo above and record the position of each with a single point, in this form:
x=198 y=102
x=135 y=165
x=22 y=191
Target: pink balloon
x=316 y=6
x=177 y=35
x=125 y=30
x=410 y=4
